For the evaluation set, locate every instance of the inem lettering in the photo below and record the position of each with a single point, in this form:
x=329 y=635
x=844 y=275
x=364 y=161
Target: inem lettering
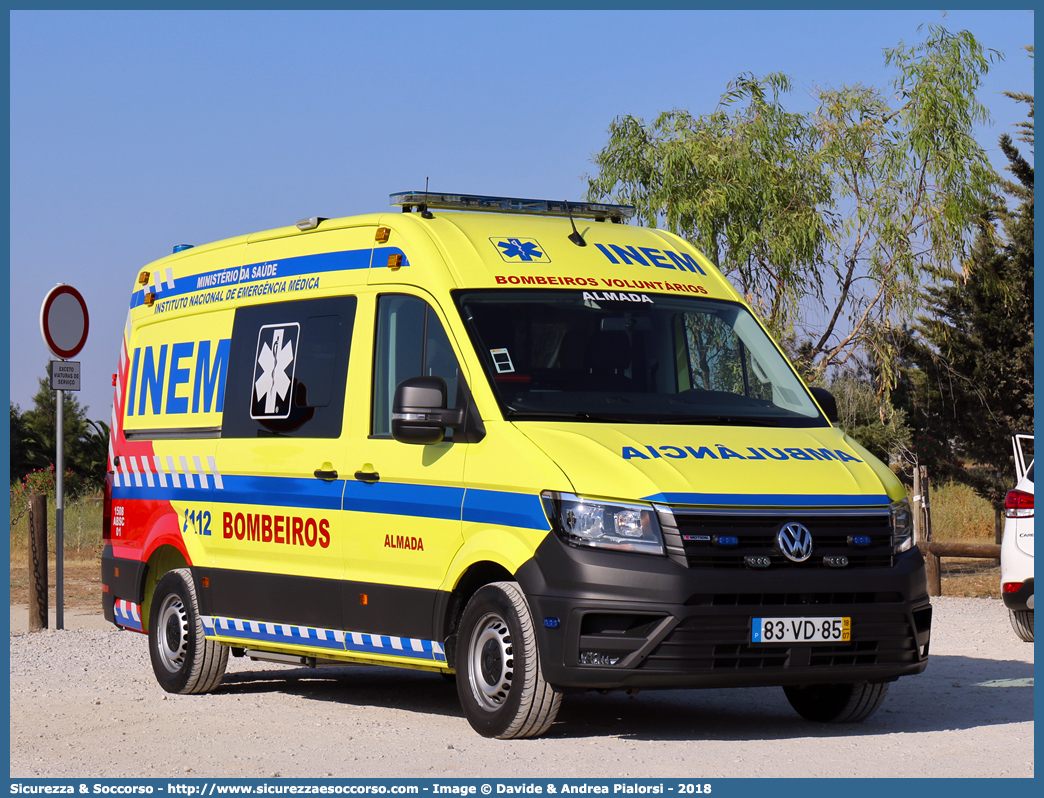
x=171 y=378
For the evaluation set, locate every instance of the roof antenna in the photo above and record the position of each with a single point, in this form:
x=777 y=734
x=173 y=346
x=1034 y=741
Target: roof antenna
x=574 y=236
x=423 y=207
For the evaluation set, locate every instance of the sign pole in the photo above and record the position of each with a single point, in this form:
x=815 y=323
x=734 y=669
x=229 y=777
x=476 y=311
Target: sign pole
x=64 y=323
x=59 y=513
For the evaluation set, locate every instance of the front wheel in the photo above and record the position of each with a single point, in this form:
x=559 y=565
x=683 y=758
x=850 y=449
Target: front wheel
x=183 y=660
x=837 y=703
x=1022 y=623
x=500 y=684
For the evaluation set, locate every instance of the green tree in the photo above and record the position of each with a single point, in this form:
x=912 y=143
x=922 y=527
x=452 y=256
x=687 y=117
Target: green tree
x=93 y=455
x=881 y=189
x=741 y=183
x=973 y=356
x=42 y=419
x=86 y=442
x=28 y=452
x=886 y=435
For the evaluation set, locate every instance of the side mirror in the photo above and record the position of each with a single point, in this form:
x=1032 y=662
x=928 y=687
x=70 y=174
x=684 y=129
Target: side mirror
x=827 y=402
x=419 y=413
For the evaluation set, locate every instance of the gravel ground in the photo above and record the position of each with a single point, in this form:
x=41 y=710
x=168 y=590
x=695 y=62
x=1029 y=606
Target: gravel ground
x=84 y=703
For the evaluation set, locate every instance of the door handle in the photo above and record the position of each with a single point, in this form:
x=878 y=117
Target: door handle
x=327 y=476
x=367 y=476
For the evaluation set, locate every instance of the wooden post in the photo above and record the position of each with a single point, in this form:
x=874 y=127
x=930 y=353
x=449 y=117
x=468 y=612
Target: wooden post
x=38 y=562
x=932 y=565
x=915 y=508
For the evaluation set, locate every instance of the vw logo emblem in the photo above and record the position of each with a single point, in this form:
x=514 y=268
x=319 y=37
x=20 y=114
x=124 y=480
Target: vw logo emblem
x=795 y=541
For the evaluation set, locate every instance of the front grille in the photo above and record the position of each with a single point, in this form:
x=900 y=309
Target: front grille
x=722 y=642
x=756 y=533
x=791 y=599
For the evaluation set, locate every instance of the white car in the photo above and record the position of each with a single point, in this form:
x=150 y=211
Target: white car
x=1017 y=546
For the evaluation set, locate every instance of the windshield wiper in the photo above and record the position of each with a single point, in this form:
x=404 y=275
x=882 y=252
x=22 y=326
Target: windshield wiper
x=740 y=421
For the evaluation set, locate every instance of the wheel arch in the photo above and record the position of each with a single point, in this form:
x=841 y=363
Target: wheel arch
x=164 y=558
x=489 y=554
x=450 y=609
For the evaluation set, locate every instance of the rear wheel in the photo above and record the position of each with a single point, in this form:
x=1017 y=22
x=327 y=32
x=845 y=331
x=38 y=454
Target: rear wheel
x=1022 y=623
x=500 y=684
x=837 y=703
x=183 y=660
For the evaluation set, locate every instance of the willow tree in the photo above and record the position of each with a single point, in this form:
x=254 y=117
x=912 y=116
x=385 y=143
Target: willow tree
x=830 y=223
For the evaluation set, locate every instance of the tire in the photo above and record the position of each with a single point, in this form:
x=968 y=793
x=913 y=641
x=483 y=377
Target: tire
x=1022 y=623
x=499 y=681
x=182 y=659
x=837 y=703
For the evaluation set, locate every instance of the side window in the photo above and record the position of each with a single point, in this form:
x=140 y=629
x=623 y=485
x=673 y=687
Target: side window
x=288 y=369
x=410 y=342
x=718 y=359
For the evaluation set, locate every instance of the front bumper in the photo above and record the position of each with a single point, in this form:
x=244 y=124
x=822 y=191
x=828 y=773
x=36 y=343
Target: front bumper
x=671 y=626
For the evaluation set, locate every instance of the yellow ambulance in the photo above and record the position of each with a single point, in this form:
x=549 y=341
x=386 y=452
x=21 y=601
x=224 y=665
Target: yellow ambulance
x=519 y=441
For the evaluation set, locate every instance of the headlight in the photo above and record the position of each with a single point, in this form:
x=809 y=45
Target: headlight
x=603 y=525
x=902 y=526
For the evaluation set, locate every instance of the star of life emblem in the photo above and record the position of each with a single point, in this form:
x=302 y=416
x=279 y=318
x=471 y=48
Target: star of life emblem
x=274 y=370
x=520 y=250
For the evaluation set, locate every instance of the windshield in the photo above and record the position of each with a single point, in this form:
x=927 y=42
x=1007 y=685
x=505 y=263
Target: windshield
x=612 y=356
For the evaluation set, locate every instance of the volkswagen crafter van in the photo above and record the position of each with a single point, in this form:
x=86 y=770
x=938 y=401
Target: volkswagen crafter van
x=518 y=441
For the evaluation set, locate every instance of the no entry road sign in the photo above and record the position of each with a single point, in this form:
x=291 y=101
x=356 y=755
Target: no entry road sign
x=64 y=321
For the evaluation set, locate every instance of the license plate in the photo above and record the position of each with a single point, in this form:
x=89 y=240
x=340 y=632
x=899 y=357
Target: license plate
x=800 y=630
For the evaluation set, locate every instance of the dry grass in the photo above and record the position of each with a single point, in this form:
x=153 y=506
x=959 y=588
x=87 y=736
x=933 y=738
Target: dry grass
x=959 y=514
x=82 y=586
x=82 y=562
x=962 y=576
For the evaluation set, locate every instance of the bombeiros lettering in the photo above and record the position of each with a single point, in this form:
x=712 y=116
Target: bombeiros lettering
x=288 y=530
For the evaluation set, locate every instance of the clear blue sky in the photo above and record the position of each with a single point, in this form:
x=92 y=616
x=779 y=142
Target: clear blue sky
x=135 y=131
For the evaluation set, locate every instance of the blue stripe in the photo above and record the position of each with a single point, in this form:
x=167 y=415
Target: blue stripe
x=305 y=492
x=505 y=509
x=124 y=618
x=396 y=498
x=254 y=490
x=286 y=268
x=500 y=508
x=772 y=499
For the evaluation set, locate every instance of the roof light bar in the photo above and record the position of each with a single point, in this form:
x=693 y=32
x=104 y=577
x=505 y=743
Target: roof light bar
x=477 y=202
